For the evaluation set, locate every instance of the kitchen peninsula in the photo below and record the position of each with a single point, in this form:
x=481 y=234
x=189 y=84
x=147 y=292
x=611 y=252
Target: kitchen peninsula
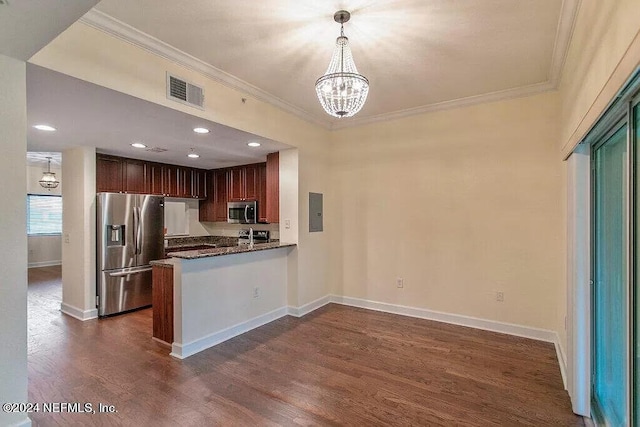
x=206 y=296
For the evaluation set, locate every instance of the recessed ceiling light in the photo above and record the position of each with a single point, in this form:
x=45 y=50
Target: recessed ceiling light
x=201 y=130
x=45 y=128
x=254 y=144
x=138 y=145
x=193 y=155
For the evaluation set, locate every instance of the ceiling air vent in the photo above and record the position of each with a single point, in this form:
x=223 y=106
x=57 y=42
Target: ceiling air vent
x=156 y=150
x=184 y=92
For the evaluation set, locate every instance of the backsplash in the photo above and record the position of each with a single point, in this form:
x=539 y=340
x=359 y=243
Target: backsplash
x=178 y=242
x=231 y=230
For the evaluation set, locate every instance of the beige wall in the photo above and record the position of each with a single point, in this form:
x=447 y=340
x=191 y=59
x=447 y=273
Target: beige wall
x=44 y=250
x=13 y=244
x=79 y=233
x=94 y=56
x=461 y=204
x=604 y=51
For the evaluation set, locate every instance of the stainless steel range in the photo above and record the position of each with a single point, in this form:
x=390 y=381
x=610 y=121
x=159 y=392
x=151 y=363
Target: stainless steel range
x=248 y=236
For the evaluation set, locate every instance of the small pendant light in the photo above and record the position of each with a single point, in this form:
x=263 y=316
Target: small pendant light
x=48 y=179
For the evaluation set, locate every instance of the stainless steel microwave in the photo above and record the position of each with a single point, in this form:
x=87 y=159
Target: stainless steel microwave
x=242 y=212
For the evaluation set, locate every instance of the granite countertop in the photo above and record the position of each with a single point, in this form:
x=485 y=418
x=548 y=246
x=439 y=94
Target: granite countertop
x=190 y=241
x=238 y=249
x=168 y=262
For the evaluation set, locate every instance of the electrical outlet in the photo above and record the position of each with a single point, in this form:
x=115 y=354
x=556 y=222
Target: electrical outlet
x=500 y=296
x=400 y=282
x=256 y=292
x=287 y=223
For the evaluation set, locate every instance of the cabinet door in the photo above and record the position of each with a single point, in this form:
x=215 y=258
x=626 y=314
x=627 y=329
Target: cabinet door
x=251 y=186
x=207 y=212
x=170 y=181
x=109 y=171
x=200 y=183
x=154 y=179
x=220 y=194
x=134 y=176
x=236 y=183
x=273 y=187
x=185 y=176
x=262 y=192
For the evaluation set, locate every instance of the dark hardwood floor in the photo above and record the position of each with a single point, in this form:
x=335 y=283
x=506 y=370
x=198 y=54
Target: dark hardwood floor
x=336 y=366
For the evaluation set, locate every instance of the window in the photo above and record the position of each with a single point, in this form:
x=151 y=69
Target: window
x=44 y=214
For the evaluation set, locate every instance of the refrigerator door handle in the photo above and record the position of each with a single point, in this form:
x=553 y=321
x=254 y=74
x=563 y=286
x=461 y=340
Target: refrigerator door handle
x=136 y=227
x=128 y=272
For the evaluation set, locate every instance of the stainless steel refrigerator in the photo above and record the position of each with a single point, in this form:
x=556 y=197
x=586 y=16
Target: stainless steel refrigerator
x=130 y=230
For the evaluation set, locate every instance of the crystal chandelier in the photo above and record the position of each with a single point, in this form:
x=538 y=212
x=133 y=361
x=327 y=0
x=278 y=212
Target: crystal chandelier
x=342 y=91
x=48 y=179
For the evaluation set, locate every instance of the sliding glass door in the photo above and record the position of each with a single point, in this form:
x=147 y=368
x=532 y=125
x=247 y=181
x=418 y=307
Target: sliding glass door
x=635 y=135
x=610 y=386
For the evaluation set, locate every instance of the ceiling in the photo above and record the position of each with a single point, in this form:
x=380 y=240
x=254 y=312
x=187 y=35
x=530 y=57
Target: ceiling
x=26 y=26
x=85 y=114
x=417 y=54
x=40 y=158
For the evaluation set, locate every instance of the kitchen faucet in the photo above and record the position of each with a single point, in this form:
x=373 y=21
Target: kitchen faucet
x=250 y=236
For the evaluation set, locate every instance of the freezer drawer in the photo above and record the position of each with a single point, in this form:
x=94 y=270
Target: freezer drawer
x=124 y=290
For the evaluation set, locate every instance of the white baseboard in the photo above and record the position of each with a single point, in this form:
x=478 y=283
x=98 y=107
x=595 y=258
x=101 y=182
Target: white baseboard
x=78 y=313
x=44 y=264
x=562 y=359
x=308 y=308
x=455 y=319
x=181 y=351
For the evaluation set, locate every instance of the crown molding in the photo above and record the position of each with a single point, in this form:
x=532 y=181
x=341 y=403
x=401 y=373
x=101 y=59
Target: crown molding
x=454 y=103
x=110 y=25
x=564 y=33
x=106 y=23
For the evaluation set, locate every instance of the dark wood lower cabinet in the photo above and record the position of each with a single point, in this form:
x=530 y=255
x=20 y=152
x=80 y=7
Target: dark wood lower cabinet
x=162 y=300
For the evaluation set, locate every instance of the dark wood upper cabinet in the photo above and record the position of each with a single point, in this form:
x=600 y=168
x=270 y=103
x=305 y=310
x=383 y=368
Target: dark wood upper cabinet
x=109 y=174
x=262 y=192
x=206 y=212
x=257 y=181
x=135 y=172
x=154 y=179
x=170 y=181
x=185 y=182
x=235 y=180
x=242 y=182
x=251 y=186
x=200 y=182
x=220 y=194
x=123 y=175
x=273 y=188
